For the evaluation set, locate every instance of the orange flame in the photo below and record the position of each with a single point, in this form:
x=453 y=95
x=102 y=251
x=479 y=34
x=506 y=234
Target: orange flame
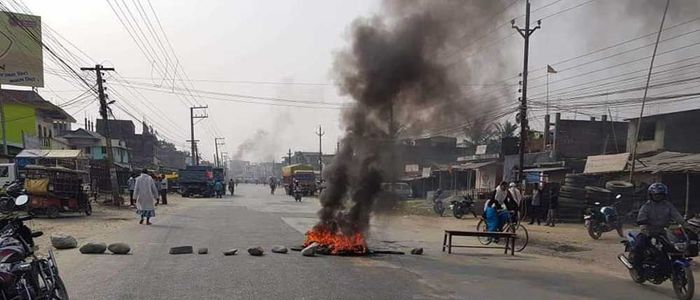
x=338 y=243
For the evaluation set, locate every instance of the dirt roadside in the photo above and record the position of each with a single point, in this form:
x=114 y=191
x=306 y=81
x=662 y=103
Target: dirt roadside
x=569 y=241
x=104 y=219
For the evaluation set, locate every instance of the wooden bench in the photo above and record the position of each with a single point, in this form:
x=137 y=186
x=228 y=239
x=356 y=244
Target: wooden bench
x=507 y=237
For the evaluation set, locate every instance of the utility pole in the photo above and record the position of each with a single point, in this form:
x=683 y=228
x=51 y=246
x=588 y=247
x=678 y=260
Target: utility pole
x=4 y=124
x=217 y=161
x=289 y=157
x=195 y=155
x=525 y=33
x=644 y=98
x=104 y=113
x=320 y=134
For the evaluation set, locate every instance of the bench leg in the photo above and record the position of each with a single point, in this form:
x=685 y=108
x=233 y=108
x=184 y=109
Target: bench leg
x=444 y=242
x=512 y=246
x=449 y=245
x=506 y=246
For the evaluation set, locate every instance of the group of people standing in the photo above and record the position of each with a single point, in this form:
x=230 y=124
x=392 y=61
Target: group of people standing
x=507 y=200
x=543 y=205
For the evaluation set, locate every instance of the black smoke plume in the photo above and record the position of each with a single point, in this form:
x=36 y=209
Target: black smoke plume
x=397 y=67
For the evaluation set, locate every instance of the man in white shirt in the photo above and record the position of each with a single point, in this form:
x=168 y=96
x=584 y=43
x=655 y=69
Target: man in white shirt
x=515 y=192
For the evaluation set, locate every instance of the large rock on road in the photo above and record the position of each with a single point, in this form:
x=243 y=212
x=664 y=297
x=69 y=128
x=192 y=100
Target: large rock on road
x=119 y=248
x=93 y=248
x=63 y=241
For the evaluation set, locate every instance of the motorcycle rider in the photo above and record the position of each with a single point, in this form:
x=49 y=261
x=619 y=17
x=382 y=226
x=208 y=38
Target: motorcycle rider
x=654 y=216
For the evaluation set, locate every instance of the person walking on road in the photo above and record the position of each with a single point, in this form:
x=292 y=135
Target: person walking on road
x=553 y=205
x=164 y=190
x=146 y=193
x=218 y=188
x=273 y=185
x=231 y=186
x=536 y=205
x=131 y=182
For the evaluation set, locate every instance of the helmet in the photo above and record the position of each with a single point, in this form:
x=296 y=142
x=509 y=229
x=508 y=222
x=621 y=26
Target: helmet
x=658 y=189
x=512 y=184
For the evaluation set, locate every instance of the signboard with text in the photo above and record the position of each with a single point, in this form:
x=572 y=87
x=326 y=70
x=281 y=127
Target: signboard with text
x=21 y=54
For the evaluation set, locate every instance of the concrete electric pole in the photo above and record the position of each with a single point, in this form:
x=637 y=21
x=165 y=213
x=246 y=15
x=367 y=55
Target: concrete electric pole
x=320 y=134
x=104 y=113
x=525 y=33
x=195 y=155
x=218 y=142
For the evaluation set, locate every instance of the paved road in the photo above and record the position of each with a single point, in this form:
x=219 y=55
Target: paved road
x=253 y=218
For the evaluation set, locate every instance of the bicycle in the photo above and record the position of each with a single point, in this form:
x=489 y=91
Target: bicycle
x=522 y=236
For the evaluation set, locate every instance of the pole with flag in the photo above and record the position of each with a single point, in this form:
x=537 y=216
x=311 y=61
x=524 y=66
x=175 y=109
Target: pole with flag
x=546 y=139
x=550 y=70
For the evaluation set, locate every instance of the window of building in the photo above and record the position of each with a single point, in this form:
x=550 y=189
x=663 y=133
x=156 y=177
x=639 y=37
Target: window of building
x=104 y=150
x=4 y=171
x=647 y=131
x=87 y=150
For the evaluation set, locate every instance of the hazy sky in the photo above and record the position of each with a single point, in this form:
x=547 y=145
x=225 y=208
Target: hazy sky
x=277 y=42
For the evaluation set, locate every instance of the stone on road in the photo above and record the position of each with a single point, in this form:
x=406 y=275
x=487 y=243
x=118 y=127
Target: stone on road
x=279 y=249
x=63 y=241
x=181 y=250
x=202 y=251
x=119 y=248
x=310 y=250
x=256 y=251
x=231 y=252
x=93 y=248
x=417 y=251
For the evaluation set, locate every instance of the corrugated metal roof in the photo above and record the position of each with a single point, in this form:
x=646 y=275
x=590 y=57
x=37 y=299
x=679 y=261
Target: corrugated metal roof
x=606 y=163
x=42 y=153
x=670 y=162
x=545 y=169
x=476 y=165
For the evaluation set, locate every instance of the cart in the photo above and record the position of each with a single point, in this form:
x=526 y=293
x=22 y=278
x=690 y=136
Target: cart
x=56 y=190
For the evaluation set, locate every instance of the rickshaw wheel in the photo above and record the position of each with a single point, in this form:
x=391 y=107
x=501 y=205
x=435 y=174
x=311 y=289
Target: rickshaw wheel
x=52 y=212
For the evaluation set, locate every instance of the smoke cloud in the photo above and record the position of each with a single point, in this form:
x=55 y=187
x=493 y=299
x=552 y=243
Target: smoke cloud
x=259 y=147
x=397 y=67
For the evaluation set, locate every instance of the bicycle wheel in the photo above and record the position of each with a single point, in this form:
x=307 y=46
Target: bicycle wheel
x=522 y=237
x=481 y=226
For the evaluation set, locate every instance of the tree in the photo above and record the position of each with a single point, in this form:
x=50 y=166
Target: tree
x=478 y=132
x=505 y=129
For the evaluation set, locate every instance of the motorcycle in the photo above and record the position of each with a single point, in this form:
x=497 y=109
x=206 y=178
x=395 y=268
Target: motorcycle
x=13 y=188
x=462 y=207
x=668 y=257
x=438 y=205
x=23 y=275
x=297 y=194
x=599 y=219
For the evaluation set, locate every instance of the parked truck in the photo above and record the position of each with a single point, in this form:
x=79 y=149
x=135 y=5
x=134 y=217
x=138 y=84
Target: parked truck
x=304 y=174
x=199 y=180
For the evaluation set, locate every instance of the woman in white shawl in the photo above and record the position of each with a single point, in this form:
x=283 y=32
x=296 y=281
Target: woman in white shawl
x=145 y=193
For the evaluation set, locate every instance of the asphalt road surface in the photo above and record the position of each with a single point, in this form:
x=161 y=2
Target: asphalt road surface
x=255 y=218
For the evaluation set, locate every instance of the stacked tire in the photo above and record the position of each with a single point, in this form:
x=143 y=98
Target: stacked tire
x=628 y=198
x=600 y=195
x=572 y=197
